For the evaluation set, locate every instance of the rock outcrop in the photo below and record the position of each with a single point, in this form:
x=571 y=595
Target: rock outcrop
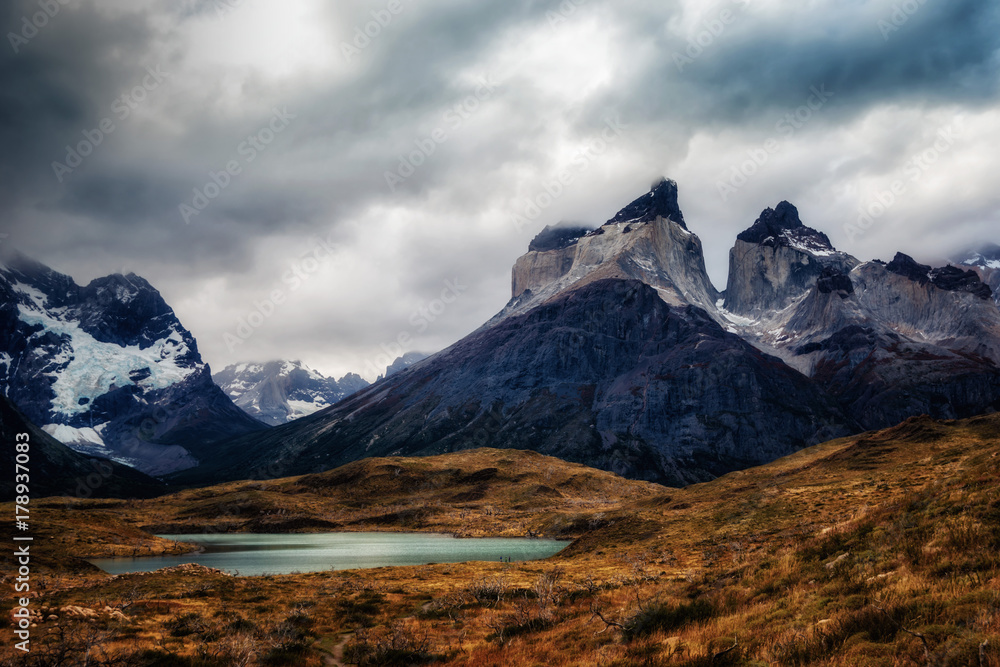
x=645 y=241
x=777 y=260
x=949 y=278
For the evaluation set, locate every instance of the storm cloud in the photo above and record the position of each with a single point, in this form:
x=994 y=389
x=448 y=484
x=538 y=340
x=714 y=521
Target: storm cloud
x=360 y=173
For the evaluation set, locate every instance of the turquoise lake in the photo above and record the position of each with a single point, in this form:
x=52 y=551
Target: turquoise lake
x=250 y=554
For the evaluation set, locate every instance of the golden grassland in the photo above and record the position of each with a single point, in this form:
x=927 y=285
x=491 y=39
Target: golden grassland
x=880 y=549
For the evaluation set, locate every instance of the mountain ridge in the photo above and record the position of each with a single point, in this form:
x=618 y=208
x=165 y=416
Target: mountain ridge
x=617 y=351
x=276 y=392
x=108 y=369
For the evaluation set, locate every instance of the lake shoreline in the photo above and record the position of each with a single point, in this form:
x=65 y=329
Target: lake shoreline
x=250 y=554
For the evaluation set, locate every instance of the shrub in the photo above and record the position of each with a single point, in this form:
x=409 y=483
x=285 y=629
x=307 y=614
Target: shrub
x=186 y=624
x=395 y=645
x=666 y=617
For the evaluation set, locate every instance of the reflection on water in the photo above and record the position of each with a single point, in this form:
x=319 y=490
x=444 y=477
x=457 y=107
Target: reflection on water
x=282 y=554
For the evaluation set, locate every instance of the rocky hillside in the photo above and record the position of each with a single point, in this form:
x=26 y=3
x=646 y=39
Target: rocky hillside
x=56 y=470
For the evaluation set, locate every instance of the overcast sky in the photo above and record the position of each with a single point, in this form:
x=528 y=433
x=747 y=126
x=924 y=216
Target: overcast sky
x=826 y=103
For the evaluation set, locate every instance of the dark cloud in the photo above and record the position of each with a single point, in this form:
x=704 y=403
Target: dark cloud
x=557 y=75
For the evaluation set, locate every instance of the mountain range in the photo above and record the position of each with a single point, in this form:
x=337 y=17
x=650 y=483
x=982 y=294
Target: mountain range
x=109 y=370
x=277 y=392
x=617 y=351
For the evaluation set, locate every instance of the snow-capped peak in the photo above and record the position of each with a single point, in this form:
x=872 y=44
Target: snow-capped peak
x=280 y=391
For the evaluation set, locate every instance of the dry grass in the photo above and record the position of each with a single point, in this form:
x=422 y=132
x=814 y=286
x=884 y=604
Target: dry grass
x=878 y=550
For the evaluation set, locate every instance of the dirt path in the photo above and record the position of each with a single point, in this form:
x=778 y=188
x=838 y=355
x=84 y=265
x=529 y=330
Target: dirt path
x=335 y=655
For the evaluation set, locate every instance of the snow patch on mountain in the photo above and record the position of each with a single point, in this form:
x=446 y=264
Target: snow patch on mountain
x=35 y=295
x=71 y=434
x=806 y=244
x=987 y=263
x=733 y=318
x=299 y=409
x=86 y=368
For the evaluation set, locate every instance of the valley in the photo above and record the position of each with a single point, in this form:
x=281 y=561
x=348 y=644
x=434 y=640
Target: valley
x=880 y=547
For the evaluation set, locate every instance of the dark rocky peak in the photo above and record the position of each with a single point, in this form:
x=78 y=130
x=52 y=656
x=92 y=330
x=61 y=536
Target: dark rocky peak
x=906 y=266
x=771 y=223
x=781 y=226
x=954 y=279
x=834 y=280
x=950 y=278
x=58 y=289
x=660 y=201
x=556 y=237
x=120 y=293
x=121 y=309
x=126 y=310
x=121 y=287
